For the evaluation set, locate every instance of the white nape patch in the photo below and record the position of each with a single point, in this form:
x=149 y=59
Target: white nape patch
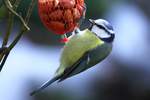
x=100 y=32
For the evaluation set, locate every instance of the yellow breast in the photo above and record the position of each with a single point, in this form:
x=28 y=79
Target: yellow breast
x=76 y=47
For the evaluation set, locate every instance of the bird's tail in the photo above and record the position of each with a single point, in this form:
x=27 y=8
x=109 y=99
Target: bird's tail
x=46 y=84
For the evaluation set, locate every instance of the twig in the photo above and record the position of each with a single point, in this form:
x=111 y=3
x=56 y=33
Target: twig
x=4 y=55
x=29 y=12
x=9 y=7
x=2 y=49
x=4 y=60
x=24 y=27
x=9 y=27
x=16 y=40
x=10 y=23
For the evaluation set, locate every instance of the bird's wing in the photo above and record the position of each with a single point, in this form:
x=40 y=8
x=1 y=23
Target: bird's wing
x=77 y=46
x=68 y=71
x=87 y=60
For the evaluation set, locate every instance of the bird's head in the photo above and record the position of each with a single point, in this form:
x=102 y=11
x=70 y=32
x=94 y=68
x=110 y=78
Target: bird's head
x=103 y=29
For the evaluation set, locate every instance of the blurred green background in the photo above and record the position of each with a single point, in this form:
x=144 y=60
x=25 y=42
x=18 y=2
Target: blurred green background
x=124 y=75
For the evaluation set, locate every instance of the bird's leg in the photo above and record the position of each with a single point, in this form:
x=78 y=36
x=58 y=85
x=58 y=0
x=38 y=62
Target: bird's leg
x=64 y=38
x=77 y=30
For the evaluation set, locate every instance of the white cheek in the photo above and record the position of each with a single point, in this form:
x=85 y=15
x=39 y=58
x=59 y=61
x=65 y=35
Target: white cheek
x=100 y=32
x=95 y=29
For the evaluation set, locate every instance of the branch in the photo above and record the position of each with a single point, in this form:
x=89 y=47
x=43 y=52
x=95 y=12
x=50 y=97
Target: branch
x=30 y=10
x=4 y=54
x=28 y=15
x=10 y=23
x=4 y=60
x=10 y=8
x=24 y=27
x=8 y=30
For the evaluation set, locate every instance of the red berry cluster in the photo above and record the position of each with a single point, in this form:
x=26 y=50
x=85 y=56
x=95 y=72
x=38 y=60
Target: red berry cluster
x=60 y=16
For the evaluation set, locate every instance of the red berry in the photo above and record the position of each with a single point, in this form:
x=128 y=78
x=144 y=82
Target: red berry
x=60 y=16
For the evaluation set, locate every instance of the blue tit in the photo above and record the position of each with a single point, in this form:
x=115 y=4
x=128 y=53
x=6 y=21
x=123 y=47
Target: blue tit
x=83 y=50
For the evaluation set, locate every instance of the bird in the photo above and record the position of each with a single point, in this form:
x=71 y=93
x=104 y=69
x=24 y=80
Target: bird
x=83 y=50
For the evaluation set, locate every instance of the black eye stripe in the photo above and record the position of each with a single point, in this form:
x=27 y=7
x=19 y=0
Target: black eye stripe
x=101 y=27
x=108 y=40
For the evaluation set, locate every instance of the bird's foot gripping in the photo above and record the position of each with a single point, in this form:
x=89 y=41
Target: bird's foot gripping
x=64 y=38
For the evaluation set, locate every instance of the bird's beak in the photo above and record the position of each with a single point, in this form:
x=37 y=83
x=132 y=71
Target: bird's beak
x=92 y=21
